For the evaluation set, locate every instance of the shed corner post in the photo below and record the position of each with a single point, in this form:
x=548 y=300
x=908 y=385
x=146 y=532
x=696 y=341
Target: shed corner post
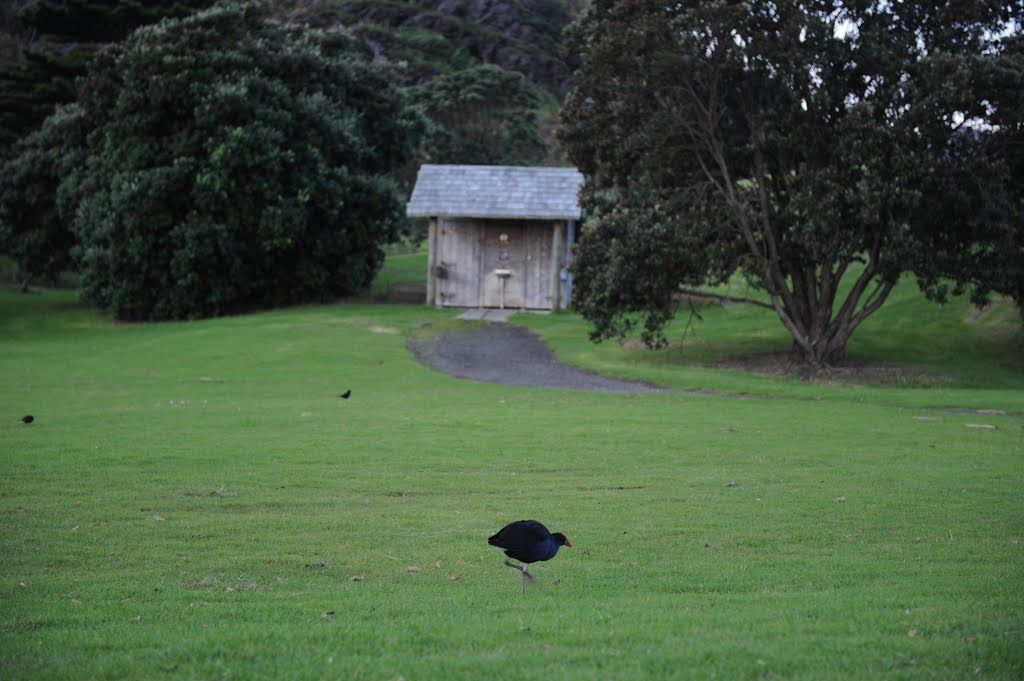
x=557 y=252
x=431 y=261
x=570 y=241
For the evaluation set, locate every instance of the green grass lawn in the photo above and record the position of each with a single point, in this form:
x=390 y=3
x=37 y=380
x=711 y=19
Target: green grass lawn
x=194 y=501
x=401 y=267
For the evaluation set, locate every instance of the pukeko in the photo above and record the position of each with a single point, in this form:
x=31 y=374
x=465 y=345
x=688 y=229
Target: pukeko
x=527 y=541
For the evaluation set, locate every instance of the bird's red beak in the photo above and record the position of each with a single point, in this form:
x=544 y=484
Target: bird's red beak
x=568 y=543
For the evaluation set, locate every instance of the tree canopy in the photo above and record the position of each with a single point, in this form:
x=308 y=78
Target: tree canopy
x=482 y=115
x=233 y=162
x=822 y=149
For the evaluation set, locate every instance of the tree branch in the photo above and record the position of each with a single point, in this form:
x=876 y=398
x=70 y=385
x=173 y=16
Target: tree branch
x=730 y=299
x=873 y=302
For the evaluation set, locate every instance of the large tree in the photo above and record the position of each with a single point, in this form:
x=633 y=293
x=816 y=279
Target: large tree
x=482 y=115
x=822 y=148
x=233 y=162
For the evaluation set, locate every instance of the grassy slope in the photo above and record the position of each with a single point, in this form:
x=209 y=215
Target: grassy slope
x=953 y=356
x=194 y=500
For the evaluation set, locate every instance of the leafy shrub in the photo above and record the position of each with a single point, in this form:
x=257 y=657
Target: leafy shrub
x=32 y=230
x=234 y=162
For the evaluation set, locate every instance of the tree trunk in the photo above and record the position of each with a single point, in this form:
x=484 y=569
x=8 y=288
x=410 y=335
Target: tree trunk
x=803 y=293
x=819 y=336
x=824 y=352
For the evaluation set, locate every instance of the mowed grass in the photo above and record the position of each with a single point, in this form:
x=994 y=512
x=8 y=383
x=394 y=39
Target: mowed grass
x=921 y=354
x=194 y=501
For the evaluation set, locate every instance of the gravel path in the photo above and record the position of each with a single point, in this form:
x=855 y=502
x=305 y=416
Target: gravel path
x=512 y=355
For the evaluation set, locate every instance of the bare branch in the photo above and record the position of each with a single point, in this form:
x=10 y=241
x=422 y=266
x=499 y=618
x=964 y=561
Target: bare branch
x=859 y=286
x=874 y=301
x=697 y=293
x=798 y=333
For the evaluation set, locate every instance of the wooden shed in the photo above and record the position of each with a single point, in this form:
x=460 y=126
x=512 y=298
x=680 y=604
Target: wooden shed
x=500 y=236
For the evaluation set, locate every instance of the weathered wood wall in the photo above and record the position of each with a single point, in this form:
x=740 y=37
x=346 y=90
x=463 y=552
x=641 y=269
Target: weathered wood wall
x=464 y=254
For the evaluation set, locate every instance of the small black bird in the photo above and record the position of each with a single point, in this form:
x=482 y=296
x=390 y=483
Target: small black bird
x=345 y=395
x=528 y=541
x=28 y=418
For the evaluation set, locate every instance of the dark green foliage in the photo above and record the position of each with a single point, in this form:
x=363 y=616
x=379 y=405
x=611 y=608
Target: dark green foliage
x=482 y=115
x=432 y=37
x=47 y=44
x=642 y=248
x=487 y=72
x=31 y=85
x=1003 y=178
x=32 y=82
x=32 y=230
x=800 y=144
x=233 y=164
x=101 y=21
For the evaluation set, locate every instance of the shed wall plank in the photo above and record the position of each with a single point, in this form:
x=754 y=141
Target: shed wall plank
x=459 y=256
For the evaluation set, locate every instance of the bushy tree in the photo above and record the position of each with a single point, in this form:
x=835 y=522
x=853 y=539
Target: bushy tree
x=483 y=115
x=1003 y=84
x=234 y=163
x=823 y=149
x=32 y=230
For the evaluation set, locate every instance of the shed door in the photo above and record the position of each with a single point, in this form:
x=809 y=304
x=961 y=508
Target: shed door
x=540 y=265
x=504 y=250
x=458 y=244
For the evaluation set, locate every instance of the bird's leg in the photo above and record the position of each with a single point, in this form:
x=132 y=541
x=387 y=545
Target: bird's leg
x=522 y=568
x=527 y=573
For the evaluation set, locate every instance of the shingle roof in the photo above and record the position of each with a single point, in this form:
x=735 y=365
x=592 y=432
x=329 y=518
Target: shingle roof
x=529 y=193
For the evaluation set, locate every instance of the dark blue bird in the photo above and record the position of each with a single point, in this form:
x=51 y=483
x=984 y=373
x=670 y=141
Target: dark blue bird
x=528 y=541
